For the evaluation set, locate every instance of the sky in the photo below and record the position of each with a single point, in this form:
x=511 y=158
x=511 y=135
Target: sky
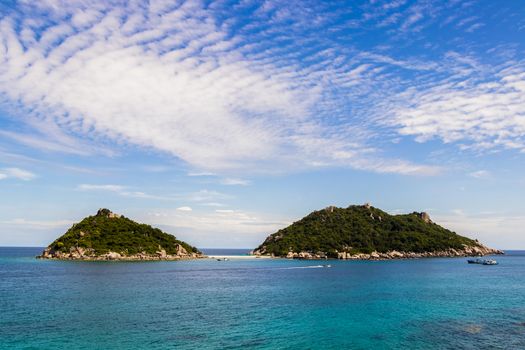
x=223 y=121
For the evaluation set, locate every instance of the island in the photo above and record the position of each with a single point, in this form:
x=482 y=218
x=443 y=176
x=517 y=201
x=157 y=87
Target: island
x=362 y=232
x=110 y=236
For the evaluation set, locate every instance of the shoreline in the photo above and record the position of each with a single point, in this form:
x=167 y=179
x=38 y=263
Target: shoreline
x=378 y=259
x=475 y=251
x=122 y=258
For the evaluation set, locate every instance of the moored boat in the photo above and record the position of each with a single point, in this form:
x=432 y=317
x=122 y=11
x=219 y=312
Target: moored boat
x=490 y=262
x=475 y=261
x=482 y=261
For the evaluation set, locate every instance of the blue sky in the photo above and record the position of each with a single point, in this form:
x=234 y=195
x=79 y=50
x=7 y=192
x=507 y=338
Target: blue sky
x=223 y=121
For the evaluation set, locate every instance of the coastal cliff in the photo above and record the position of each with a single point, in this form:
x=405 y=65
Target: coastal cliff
x=367 y=233
x=110 y=236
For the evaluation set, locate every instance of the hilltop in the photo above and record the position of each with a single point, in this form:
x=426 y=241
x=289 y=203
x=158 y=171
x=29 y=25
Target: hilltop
x=110 y=236
x=365 y=232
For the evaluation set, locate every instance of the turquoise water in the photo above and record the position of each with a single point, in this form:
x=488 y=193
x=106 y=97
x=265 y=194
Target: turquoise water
x=260 y=304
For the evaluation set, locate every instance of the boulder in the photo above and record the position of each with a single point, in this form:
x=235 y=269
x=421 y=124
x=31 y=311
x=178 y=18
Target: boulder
x=113 y=256
x=425 y=217
x=180 y=251
x=396 y=255
x=374 y=255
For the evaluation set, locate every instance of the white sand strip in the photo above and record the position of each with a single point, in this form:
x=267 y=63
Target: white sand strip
x=238 y=257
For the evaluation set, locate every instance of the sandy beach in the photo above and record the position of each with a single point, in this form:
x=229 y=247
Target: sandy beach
x=238 y=257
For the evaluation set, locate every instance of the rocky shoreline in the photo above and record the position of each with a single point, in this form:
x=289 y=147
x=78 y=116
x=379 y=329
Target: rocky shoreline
x=86 y=254
x=467 y=251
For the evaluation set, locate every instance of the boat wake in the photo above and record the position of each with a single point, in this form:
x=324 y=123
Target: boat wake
x=305 y=267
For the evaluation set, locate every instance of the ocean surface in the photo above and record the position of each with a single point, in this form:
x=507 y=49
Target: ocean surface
x=261 y=304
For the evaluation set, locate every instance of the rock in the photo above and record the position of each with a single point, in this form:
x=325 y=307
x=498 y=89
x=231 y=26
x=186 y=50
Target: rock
x=330 y=209
x=108 y=213
x=112 y=256
x=396 y=255
x=162 y=254
x=425 y=217
x=289 y=255
x=374 y=255
x=180 y=251
x=303 y=255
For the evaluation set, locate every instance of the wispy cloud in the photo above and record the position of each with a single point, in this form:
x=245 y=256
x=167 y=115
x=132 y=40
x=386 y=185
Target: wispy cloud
x=16 y=173
x=110 y=188
x=208 y=197
x=55 y=142
x=35 y=224
x=480 y=174
x=123 y=191
x=201 y=173
x=499 y=230
x=230 y=181
x=176 y=79
x=473 y=113
x=184 y=209
x=237 y=221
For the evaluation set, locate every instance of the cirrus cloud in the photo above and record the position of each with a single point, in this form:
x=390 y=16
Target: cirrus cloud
x=178 y=79
x=481 y=115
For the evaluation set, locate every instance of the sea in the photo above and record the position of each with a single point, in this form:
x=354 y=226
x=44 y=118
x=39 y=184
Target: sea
x=437 y=303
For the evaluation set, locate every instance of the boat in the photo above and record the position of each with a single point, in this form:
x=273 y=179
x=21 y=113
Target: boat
x=223 y=259
x=475 y=261
x=482 y=261
x=490 y=262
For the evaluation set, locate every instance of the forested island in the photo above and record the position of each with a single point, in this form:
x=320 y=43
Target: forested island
x=110 y=236
x=365 y=232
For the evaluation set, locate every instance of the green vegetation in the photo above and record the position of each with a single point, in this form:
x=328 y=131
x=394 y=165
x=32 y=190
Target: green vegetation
x=362 y=229
x=107 y=232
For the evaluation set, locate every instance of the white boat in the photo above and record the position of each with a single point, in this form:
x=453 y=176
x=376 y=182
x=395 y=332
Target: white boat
x=482 y=261
x=490 y=262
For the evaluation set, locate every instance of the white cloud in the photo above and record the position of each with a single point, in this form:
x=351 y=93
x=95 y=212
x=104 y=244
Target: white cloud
x=184 y=209
x=480 y=174
x=110 y=188
x=172 y=78
x=497 y=230
x=201 y=173
x=480 y=115
x=37 y=224
x=123 y=191
x=235 y=181
x=208 y=196
x=223 y=221
x=213 y=204
x=16 y=173
x=55 y=141
x=206 y=229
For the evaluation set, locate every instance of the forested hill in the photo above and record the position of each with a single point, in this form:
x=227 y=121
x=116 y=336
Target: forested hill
x=107 y=235
x=357 y=230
